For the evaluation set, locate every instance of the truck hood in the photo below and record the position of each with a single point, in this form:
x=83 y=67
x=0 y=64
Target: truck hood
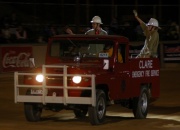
x=80 y=65
x=82 y=68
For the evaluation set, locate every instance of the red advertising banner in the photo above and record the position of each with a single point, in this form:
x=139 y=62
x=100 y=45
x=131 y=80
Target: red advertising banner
x=16 y=58
x=172 y=53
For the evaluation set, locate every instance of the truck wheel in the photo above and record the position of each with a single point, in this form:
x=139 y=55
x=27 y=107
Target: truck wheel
x=32 y=111
x=97 y=113
x=140 y=104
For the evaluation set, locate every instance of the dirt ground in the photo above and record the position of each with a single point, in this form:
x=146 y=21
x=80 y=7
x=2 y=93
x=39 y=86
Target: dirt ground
x=164 y=114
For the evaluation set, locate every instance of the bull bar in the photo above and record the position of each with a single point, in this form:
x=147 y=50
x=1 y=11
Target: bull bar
x=65 y=99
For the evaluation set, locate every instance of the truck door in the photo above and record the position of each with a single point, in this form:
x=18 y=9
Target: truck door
x=121 y=88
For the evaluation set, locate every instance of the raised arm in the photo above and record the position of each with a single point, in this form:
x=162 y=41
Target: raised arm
x=136 y=16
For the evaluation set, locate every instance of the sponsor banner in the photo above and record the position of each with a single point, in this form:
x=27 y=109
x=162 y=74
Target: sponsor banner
x=171 y=53
x=16 y=58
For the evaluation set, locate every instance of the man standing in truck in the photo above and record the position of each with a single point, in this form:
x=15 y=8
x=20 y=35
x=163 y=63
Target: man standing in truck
x=96 y=27
x=152 y=37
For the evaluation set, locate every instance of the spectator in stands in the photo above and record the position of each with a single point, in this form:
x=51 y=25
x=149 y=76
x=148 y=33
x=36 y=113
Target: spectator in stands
x=21 y=34
x=127 y=30
x=6 y=34
x=4 y=21
x=68 y=30
x=51 y=31
x=13 y=20
x=41 y=39
x=139 y=33
x=96 y=27
x=46 y=32
x=173 y=31
x=114 y=27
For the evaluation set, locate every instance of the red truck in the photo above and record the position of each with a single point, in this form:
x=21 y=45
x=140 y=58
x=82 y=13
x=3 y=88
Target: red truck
x=79 y=75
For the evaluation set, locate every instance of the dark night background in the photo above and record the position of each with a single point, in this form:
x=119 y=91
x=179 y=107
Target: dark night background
x=36 y=14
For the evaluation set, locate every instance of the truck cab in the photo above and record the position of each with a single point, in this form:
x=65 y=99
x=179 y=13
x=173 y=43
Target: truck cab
x=88 y=73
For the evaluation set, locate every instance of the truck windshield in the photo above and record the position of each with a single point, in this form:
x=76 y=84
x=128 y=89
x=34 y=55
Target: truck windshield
x=91 y=48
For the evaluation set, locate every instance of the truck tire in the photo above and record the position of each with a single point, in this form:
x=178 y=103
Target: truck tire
x=32 y=111
x=97 y=113
x=140 y=104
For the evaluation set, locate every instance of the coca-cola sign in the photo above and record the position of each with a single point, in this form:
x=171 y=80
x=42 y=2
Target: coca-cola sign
x=16 y=58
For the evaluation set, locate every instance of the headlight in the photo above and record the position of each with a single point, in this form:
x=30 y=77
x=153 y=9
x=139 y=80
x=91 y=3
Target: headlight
x=39 y=78
x=77 y=79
